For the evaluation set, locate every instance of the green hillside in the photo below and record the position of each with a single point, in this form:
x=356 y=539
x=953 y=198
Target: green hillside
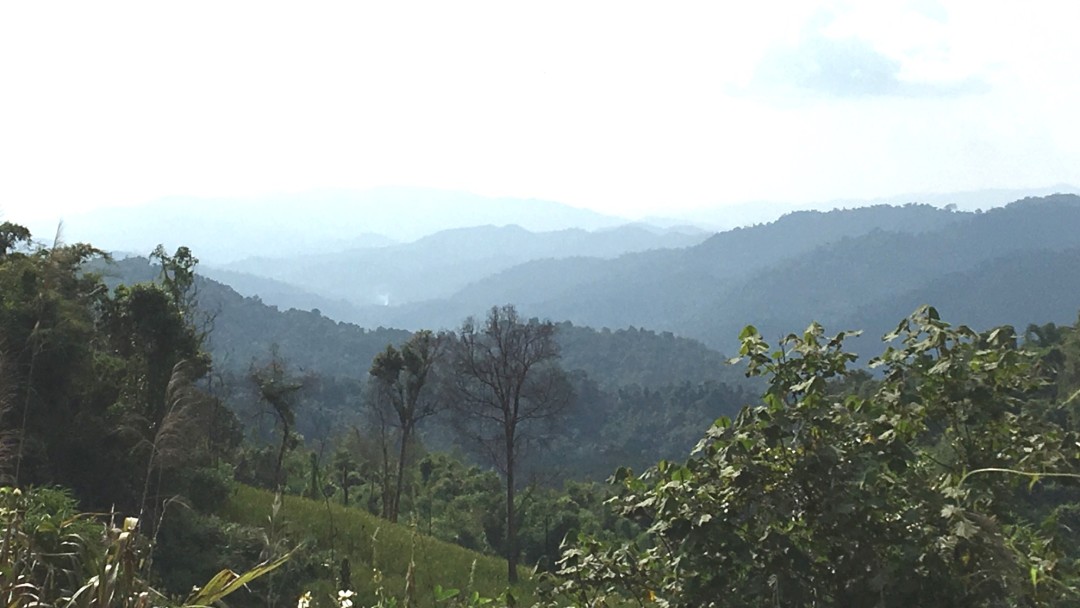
x=397 y=551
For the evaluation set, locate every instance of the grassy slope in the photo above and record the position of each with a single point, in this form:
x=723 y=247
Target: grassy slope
x=349 y=532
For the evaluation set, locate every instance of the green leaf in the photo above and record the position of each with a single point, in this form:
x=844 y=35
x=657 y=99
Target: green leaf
x=441 y=595
x=942 y=366
x=1034 y=480
x=894 y=334
x=682 y=475
x=227 y=581
x=965 y=529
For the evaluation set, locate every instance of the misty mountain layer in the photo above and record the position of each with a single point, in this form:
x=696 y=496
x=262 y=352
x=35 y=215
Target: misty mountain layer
x=860 y=268
x=223 y=230
x=439 y=265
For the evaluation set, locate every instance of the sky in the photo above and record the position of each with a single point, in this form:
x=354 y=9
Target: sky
x=628 y=108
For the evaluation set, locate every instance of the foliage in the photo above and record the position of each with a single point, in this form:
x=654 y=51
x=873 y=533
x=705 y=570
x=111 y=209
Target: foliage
x=403 y=395
x=46 y=548
x=642 y=358
x=11 y=236
x=460 y=504
x=52 y=555
x=278 y=390
x=102 y=393
x=933 y=491
x=51 y=370
x=632 y=426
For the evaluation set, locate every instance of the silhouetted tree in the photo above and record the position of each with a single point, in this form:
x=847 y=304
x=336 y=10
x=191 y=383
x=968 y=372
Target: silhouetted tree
x=506 y=384
x=278 y=389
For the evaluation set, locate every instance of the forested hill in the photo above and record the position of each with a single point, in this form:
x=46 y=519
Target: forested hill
x=858 y=267
x=640 y=395
x=992 y=262
x=243 y=329
x=636 y=356
x=650 y=288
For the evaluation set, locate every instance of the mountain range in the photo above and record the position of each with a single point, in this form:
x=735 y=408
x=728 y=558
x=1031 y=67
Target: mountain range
x=222 y=230
x=860 y=268
x=439 y=265
x=732 y=216
x=853 y=268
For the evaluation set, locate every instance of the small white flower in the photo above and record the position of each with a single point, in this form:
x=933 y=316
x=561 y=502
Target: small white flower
x=304 y=601
x=344 y=598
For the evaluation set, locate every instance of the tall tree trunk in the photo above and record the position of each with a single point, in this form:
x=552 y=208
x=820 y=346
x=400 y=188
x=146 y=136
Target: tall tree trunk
x=385 y=481
x=281 y=456
x=345 y=484
x=511 y=516
x=406 y=433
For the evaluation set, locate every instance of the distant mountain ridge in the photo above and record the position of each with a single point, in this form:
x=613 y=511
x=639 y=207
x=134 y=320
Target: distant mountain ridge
x=438 y=265
x=834 y=283
x=836 y=267
x=242 y=330
x=851 y=269
x=648 y=288
x=222 y=230
x=728 y=217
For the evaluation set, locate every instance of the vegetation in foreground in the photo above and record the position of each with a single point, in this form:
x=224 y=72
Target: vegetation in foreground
x=52 y=555
x=951 y=481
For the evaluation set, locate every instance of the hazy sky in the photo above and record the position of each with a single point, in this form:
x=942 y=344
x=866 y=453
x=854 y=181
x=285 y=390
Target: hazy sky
x=623 y=107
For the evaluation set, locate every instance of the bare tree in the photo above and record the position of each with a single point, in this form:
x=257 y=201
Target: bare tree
x=403 y=395
x=508 y=389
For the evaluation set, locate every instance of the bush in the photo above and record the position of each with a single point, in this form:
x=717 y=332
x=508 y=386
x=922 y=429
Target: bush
x=931 y=491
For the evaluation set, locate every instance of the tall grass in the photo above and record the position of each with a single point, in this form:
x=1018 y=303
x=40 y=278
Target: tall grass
x=51 y=555
x=378 y=549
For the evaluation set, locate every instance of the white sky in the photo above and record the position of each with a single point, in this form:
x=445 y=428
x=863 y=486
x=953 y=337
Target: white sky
x=623 y=107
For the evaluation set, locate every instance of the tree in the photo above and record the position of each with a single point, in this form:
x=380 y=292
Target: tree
x=11 y=235
x=57 y=376
x=178 y=275
x=952 y=484
x=506 y=385
x=402 y=383
x=346 y=469
x=278 y=389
